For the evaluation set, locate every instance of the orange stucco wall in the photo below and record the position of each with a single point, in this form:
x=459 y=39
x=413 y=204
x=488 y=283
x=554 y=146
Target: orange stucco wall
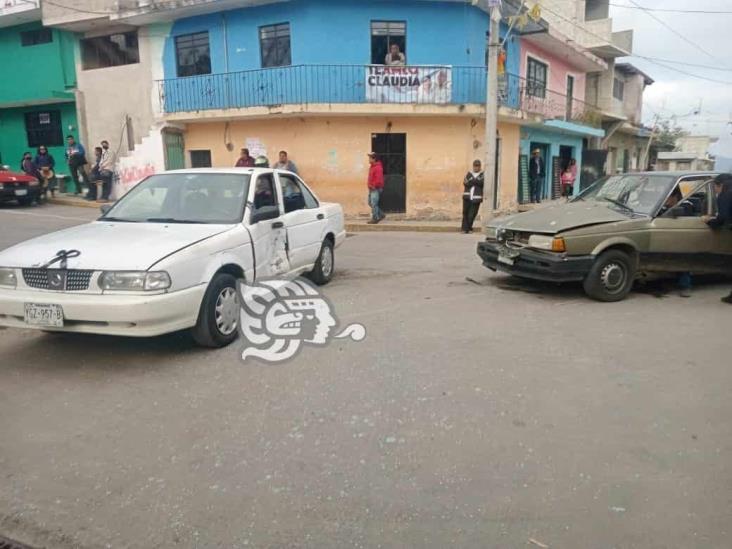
x=330 y=153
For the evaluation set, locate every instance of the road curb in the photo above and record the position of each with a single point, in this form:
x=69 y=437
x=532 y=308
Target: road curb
x=365 y=228
x=75 y=202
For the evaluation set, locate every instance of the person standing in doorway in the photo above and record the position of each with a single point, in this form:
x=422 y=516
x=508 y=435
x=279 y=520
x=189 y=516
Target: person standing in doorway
x=723 y=220
x=536 y=175
x=106 y=170
x=76 y=160
x=395 y=58
x=285 y=163
x=472 y=195
x=245 y=161
x=376 y=187
x=569 y=176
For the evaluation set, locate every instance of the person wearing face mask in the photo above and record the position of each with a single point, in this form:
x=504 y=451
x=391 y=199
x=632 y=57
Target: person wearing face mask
x=106 y=170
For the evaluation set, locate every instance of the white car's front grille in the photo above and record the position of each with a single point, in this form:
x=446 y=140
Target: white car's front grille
x=54 y=279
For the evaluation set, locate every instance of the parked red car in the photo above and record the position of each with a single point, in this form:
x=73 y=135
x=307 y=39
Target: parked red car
x=18 y=186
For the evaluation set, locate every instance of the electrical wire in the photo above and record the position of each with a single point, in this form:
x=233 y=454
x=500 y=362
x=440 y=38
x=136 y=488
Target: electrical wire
x=668 y=10
x=709 y=67
x=668 y=67
x=677 y=33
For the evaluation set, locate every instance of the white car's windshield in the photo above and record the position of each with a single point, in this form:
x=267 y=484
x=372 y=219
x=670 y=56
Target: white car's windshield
x=184 y=198
x=634 y=193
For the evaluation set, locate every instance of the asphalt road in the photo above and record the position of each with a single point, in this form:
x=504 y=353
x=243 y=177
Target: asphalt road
x=483 y=413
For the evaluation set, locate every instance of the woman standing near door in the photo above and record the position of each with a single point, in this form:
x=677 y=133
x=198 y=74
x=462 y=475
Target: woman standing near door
x=472 y=195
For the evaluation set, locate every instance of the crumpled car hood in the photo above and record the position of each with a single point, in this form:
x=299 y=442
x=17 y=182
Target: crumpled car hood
x=561 y=217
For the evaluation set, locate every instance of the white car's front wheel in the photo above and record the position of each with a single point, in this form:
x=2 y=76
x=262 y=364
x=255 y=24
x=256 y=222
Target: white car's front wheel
x=218 y=318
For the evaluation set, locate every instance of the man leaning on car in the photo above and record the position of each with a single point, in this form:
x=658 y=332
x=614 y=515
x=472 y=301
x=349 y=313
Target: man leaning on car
x=723 y=219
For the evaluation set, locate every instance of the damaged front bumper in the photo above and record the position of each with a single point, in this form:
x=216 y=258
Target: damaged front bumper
x=528 y=263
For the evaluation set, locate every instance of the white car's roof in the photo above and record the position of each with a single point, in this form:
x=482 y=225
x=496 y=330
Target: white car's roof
x=233 y=171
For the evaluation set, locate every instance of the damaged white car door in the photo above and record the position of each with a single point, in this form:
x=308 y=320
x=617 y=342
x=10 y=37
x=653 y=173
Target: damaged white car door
x=267 y=229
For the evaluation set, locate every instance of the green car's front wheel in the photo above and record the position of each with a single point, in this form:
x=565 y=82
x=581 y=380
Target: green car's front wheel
x=611 y=276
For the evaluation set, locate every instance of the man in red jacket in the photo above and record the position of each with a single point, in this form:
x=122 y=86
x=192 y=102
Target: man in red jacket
x=376 y=187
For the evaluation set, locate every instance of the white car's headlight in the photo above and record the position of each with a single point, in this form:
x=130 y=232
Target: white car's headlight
x=490 y=232
x=8 y=278
x=134 y=280
x=546 y=242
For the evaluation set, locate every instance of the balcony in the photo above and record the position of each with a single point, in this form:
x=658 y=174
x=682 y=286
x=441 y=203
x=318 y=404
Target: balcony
x=361 y=89
x=599 y=38
x=18 y=12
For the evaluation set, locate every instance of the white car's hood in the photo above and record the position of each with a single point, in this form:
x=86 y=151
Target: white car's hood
x=109 y=245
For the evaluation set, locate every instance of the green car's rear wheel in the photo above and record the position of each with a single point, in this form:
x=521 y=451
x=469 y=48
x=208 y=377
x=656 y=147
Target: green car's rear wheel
x=611 y=276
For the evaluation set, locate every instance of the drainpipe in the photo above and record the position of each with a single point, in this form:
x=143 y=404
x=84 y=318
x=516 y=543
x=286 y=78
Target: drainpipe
x=226 y=56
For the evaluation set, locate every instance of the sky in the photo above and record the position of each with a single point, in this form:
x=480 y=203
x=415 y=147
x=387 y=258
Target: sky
x=675 y=93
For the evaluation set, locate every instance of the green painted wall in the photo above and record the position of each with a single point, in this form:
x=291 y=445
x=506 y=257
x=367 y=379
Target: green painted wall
x=35 y=78
x=14 y=139
x=34 y=73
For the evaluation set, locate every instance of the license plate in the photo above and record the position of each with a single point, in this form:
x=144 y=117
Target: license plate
x=21 y=192
x=41 y=314
x=505 y=260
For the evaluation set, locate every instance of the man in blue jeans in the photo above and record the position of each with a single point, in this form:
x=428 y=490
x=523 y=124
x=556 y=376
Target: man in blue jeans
x=376 y=187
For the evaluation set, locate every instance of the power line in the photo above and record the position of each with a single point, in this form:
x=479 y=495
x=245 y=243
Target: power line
x=677 y=33
x=666 y=10
x=725 y=82
x=675 y=62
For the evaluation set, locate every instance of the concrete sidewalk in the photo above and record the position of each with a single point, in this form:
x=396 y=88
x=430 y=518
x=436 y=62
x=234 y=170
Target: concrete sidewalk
x=352 y=225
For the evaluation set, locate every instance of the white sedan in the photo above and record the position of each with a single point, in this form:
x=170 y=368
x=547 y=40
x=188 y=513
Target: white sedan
x=167 y=256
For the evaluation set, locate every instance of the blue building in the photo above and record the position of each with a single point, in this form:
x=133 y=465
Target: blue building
x=312 y=77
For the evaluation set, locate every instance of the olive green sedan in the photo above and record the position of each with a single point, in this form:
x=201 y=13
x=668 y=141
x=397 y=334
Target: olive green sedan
x=622 y=227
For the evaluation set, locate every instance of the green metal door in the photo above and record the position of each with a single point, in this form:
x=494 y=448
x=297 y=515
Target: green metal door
x=174 y=153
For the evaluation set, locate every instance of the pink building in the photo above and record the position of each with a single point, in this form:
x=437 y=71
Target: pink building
x=553 y=73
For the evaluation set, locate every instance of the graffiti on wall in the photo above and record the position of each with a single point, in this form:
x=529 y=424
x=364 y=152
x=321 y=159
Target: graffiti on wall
x=131 y=176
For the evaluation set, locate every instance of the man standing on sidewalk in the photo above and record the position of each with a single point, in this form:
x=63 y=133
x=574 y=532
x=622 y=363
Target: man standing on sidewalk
x=76 y=159
x=106 y=170
x=376 y=187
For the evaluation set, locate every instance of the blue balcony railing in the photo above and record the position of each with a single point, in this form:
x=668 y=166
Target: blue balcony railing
x=354 y=84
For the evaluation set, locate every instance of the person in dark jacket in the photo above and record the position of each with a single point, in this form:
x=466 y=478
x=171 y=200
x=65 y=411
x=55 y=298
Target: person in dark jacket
x=45 y=164
x=537 y=172
x=723 y=219
x=472 y=195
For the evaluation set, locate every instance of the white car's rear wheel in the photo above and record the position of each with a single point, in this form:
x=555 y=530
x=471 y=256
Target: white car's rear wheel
x=218 y=317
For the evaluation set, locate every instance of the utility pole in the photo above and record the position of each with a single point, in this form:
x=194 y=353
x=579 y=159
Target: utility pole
x=491 y=107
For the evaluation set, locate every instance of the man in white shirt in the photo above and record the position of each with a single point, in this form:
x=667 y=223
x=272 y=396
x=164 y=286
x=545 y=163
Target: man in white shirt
x=106 y=170
x=395 y=57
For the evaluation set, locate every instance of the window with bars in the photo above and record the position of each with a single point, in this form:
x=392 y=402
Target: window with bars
x=43 y=128
x=36 y=37
x=536 y=76
x=383 y=35
x=274 y=44
x=109 y=51
x=201 y=159
x=193 y=54
x=618 y=89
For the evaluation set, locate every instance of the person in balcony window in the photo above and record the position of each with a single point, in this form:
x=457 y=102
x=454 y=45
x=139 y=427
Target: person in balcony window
x=536 y=175
x=472 y=195
x=245 y=161
x=395 y=57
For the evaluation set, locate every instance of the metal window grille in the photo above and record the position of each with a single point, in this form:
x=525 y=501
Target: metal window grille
x=193 y=54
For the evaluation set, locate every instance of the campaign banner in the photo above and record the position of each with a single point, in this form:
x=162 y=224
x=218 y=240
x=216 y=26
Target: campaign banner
x=396 y=84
